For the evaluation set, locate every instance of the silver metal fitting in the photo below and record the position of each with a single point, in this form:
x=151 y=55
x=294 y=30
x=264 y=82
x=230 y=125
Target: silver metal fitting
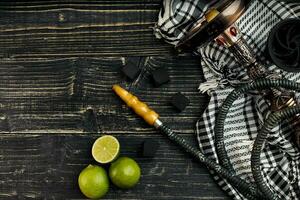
x=157 y=123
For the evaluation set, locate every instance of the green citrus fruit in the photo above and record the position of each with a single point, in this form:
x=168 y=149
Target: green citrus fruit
x=106 y=149
x=93 y=182
x=124 y=172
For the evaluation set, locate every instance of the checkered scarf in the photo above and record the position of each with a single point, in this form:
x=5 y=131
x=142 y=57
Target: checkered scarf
x=280 y=159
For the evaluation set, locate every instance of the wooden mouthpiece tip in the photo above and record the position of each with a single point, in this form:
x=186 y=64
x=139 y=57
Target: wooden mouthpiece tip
x=139 y=107
x=122 y=93
x=116 y=88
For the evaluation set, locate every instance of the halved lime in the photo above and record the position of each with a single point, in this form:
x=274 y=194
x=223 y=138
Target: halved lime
x=105 y=149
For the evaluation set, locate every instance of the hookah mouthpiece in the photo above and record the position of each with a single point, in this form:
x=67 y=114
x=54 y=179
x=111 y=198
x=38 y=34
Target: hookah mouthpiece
x=139 y=107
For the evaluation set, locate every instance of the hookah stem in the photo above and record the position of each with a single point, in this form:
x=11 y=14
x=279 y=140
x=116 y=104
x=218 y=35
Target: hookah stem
x=152 y=118
x=232 y=39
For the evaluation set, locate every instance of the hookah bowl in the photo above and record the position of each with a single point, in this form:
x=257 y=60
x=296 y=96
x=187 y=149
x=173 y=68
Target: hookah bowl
x=219 y=25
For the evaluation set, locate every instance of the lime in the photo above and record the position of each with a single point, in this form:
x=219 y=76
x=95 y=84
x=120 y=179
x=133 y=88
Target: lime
x=93 y=182
x=106 y=149
x=124 y=172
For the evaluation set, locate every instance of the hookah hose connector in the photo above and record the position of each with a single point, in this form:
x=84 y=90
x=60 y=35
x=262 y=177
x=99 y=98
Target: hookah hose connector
x=152 y=118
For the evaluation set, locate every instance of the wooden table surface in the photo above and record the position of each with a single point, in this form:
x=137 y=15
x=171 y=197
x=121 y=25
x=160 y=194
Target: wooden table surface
x=58 y=62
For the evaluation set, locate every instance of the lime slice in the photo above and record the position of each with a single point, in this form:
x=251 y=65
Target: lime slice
x=106 y=149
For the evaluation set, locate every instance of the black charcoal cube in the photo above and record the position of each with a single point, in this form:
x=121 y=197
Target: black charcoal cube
x=180 y=102
x=131 y=71
x=150 y=147
x=160 y=76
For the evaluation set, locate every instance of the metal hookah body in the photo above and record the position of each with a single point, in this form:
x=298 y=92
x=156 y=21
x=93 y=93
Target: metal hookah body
x=234 y=41
x=219 y=25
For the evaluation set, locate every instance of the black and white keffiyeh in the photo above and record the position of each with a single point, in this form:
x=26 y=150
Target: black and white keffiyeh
x=280 y=159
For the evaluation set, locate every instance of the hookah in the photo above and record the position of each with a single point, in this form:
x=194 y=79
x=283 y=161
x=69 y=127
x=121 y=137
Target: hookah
x=219 y=25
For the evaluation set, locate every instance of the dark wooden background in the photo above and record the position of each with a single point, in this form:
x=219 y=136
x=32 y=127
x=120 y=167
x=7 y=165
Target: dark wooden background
x=59 y=60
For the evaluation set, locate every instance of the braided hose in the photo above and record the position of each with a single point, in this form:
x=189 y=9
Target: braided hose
x=269 y=124
x=249 y=190
x=220 y=122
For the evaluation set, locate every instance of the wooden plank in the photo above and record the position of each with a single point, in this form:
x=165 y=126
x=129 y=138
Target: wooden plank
x=36 y=167
x=58 y=61
x=55 y=94
x=48 y=81
x=79 y=28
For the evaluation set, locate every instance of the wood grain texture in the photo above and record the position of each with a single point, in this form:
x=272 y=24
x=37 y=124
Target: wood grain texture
x=58 y=62
x=47 y=166
x=79 y=28
x=55 y=94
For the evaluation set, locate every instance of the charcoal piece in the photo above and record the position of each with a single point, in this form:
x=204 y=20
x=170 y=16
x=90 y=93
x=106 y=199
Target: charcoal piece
x=131 y=71
x=160 y=77
x=150 y=147
x=180 y=102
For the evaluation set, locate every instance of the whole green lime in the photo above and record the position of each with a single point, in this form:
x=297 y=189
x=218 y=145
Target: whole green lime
x=124 y=172
x=93 y=182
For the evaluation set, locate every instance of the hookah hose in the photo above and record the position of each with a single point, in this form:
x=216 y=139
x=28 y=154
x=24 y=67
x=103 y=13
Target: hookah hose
x=249 y=190
x=270 y=123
